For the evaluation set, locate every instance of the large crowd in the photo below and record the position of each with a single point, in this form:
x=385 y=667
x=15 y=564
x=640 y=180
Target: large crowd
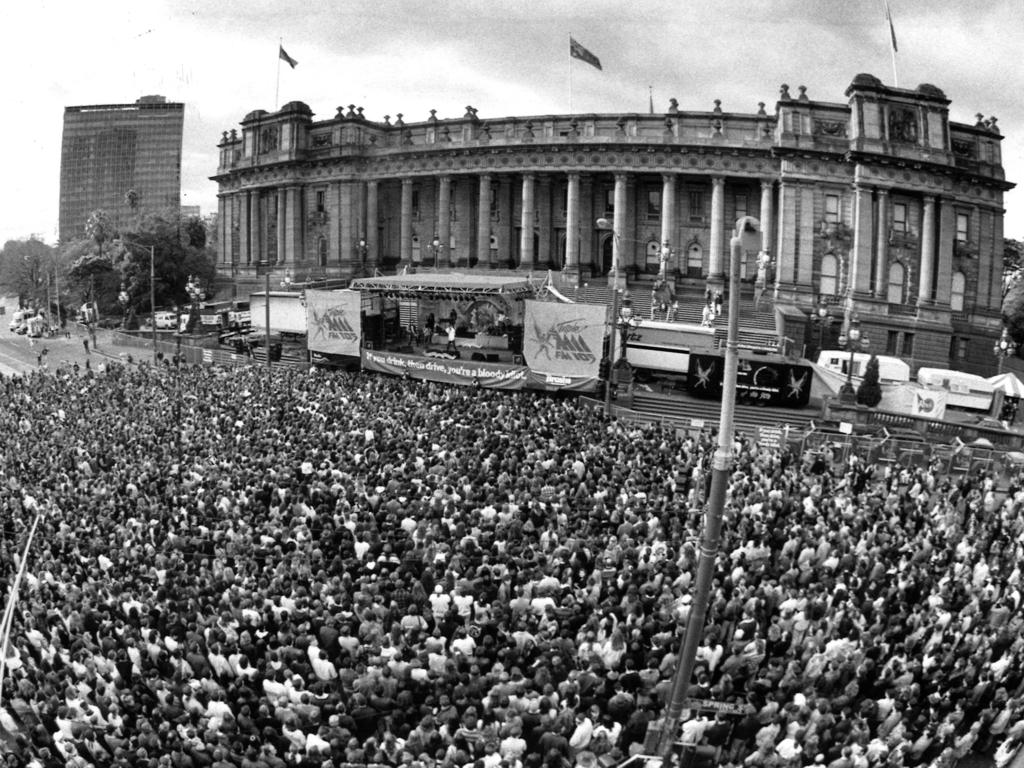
x=330 y=569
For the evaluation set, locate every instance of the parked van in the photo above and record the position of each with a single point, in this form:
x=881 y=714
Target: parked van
x=18 y=318
x=891 y=370
x=966 y=390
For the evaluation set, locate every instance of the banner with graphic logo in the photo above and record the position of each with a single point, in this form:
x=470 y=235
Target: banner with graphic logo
x=332 y=319
x=562 y=344
x=492 y=375
x=915 y=400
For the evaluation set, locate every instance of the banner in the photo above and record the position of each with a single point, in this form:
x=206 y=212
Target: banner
x=332 y=319
x=758 y=381
x=562 y=343
x=492 y=375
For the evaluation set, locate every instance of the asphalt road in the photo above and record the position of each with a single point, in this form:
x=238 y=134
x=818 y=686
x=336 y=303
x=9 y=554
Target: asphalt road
x=19 y=354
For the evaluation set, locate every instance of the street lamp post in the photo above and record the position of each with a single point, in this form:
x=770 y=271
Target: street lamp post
x=823 y=317
x=853 y=340
x=623 y=320
x=435 y=249
x=1004 y=348
x=362 y=248
x=746 y=237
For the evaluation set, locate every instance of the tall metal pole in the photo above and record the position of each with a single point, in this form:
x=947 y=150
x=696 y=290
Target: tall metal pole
x=152 y=297
x=56 y=288
x=613 y=345
x=266 y=308
x=746 y=237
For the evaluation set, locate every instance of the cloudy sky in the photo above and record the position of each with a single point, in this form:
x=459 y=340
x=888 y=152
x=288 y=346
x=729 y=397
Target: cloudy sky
x=505 y=57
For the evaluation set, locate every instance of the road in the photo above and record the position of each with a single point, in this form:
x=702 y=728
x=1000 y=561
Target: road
x=19 y=354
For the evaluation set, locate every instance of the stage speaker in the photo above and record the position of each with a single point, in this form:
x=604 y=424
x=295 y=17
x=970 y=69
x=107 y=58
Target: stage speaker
x=477 y=357
x=517 y=359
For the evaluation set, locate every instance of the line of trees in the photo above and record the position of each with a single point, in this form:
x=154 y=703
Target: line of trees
x=111 y=266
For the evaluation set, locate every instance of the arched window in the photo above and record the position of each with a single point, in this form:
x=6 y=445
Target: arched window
x=321 y=251
x=896 y=277
x=829 y=285
x=956 y=296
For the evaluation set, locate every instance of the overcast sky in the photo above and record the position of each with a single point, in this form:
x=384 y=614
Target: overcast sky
x=505 y=57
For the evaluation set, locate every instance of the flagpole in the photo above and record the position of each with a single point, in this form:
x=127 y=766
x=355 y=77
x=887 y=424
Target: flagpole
x=277 y=88
x=570 y=73
x=892 y=44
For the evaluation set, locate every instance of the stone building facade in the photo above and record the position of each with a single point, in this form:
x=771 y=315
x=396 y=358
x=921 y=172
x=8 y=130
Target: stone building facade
x=877 y=208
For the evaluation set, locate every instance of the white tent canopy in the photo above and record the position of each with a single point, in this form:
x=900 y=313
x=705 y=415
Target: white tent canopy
x=1008 y=383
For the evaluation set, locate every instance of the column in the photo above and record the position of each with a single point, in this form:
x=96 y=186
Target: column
x=668 y=218
x=244 y=254
x=483 y=223
x=223 y=230
x=544 y=221
x=347 y=226
x=572 y=225
x=882 y=244
x=255 y=251
x=444 y=220
x=526 y=256
x=282 y=224
x=926 y=269
x=766 y=215
x=405 y=226
x=371 y=234
x=947 y=236
x=716 y=273
x=586 y=218
x=294 y=250
x=618 y=225
x=785 y=262
x=860 y=256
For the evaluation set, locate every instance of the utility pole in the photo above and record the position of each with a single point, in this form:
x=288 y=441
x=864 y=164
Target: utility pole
x=745 y=238
x=152 y=297
x=266 y=309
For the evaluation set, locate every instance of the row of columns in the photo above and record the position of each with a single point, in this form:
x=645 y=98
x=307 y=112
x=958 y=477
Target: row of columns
x=353 y=198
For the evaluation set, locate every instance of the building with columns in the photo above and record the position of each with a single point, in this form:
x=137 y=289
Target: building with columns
x=877 y=207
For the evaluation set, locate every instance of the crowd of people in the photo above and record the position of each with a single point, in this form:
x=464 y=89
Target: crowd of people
x=330 y=569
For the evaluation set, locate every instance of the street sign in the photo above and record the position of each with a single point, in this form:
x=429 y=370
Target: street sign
x=725 y=707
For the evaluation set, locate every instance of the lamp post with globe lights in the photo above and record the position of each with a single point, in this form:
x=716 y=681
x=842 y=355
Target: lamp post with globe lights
x=1005 y=347
x=853 y=340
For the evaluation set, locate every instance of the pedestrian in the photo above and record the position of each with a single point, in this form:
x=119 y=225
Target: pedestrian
x=85 y=343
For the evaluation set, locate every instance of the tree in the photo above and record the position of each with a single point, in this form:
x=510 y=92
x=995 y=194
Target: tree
x=26 y=269
x=869 y=392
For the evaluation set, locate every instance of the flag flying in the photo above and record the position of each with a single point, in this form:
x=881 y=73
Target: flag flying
x=284 y=56
x=577 y=51
x=892 y=30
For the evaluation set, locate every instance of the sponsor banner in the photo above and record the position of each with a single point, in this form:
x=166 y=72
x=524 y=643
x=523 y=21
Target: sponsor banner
x=564 y=340
x=493 y=375
x=538 y=380
x=333 y=324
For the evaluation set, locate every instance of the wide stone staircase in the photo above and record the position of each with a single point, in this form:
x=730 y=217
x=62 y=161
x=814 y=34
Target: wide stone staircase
x=757 y=323
x=684 y=411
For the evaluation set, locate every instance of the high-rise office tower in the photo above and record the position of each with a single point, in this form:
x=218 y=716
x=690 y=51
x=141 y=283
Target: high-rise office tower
x=122 y=158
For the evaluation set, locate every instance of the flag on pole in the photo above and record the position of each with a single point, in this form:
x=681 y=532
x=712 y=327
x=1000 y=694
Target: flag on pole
x=285 y=57
x=892 y=30
x=577 y=51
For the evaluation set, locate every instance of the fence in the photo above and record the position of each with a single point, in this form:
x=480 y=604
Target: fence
x=141 y=347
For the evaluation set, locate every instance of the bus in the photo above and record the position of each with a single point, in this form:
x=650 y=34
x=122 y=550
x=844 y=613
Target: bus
x=665 y=347
x=891 y=370
x=967 y=391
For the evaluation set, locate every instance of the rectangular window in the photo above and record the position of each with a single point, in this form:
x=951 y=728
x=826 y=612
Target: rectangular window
x=415 y=203
x=741 y=206
x=653 y=204
x=832 y=209
x=320 y=195
x=609 y=202
x=908 y=345
x=963 y=222
x=696 y=206
x=960 y=347
x=892 y=342
x=899 y=217
x=494 y=204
